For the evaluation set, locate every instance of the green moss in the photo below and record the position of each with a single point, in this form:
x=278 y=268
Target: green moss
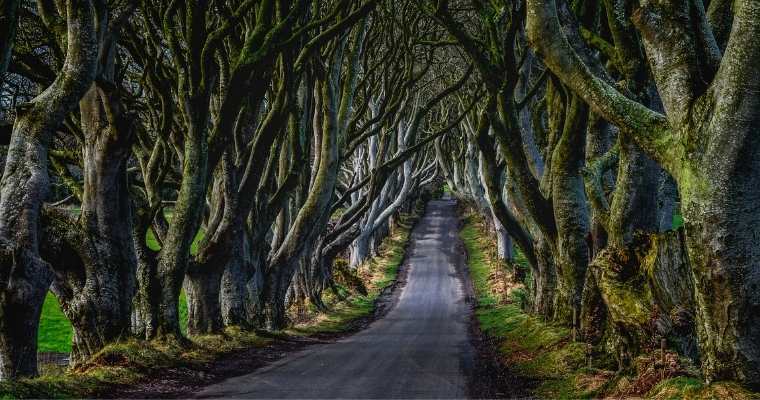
x=628 y=301
x=688 y=388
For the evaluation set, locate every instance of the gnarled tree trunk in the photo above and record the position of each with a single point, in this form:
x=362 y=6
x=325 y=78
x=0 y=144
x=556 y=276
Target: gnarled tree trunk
x=24 y=276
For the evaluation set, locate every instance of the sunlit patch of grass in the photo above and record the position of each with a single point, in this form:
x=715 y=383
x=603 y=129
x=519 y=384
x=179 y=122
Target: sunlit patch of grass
x=152 y=242
x=531 y=347
x=543 y=351
x=55 y=329
x=688 y=388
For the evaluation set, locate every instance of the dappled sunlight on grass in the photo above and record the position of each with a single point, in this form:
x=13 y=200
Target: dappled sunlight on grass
x=543 y=351
x=530 y=347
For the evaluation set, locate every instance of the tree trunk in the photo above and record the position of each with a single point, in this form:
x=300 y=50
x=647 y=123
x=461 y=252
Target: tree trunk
x=722 y=227
x=99 y=305
x=147 y=297
x=24 y=277
x=275 y=290
x=242 y=282
x=545 y=281
x=203 y=289
x=175 y=254
x=503 y=241
x=360 y=249
x=570 y=212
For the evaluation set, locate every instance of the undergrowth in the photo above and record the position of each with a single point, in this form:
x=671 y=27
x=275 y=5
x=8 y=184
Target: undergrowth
x=377 y=274
x=128 y=362
x=545 y=353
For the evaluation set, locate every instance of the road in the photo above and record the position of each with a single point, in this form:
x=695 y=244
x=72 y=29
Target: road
x=420 y=349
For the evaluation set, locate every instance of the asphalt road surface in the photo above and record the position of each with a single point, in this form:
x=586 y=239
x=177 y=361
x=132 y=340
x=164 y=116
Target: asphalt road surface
x=420 y=349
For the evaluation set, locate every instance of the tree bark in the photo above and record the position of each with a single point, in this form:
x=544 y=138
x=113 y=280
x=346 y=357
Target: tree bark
x=25 y=277
x=709 y=144
x=175 y=254
x=203 y=285
x=98 y=298
x=570 y=212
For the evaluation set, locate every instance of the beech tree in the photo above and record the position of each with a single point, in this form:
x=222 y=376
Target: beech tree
x=245 y=152
x=25 y=275
x=704 y=140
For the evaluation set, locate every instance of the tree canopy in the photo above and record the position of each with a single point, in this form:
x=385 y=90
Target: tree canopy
x=235 y=149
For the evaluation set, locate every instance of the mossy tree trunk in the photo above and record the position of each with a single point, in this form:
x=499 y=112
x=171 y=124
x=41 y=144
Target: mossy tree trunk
x=242 y=281
x=25 y=277
x=175 y=252
x=96 y=292
x=570 y=211
x=708 y=142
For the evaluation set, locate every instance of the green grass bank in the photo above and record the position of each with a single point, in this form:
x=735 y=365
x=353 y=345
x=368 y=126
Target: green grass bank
x=545 y=353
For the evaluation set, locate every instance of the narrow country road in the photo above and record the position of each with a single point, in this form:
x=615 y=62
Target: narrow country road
x=420 y=349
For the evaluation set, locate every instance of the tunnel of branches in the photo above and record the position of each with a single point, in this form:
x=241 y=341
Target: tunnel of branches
x=256 y=142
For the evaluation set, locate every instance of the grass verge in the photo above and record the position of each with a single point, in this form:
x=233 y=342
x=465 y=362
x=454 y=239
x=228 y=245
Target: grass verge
x=377 y=274
x=545 y=353
x=129 y=362
x=55 y=329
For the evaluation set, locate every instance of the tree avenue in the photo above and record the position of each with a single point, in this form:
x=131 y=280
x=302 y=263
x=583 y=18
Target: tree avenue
x=239 y=154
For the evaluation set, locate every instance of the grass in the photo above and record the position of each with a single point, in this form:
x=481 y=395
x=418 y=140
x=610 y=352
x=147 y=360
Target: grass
x=126 y=363
x=152 y=242
x=130 y=361
x=55 y=329
x=544 y=352
x=534 y=349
